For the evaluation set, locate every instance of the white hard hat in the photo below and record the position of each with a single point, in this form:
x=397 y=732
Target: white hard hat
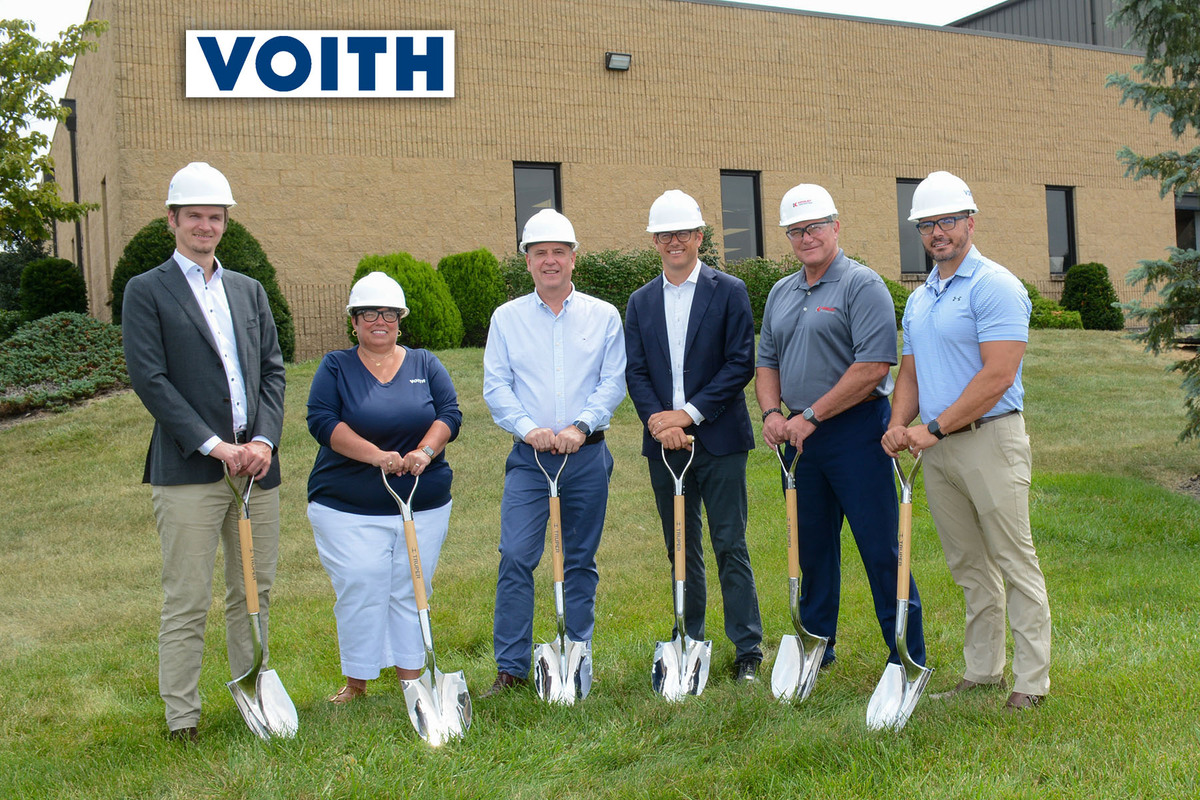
x=377 y=290
x=199 y=184
x=548 y=226
x=806 y=201
x=941 y=193
x=674 y=211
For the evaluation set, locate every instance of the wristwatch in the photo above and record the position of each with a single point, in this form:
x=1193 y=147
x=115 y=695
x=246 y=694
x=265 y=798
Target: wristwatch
x=584 y=428
x=935 y=429
x=771 y=411
x=811 y=416
x=427 y=450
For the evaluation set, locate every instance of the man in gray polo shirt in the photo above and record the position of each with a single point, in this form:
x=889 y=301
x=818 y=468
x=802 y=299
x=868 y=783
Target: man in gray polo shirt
x=828 y=342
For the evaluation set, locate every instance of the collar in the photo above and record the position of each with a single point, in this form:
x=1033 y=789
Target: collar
x=966 y=269
x=186 y=265
x=693 y=276
x=834 y=272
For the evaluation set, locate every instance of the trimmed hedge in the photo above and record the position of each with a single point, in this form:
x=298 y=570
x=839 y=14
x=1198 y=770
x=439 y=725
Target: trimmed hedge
x=51 y=285
x=759 y=275
x=433 y=322
x=1048 y=314
x=58 y=359
x=238 y=251
x=1087 y=289
x=477 y=288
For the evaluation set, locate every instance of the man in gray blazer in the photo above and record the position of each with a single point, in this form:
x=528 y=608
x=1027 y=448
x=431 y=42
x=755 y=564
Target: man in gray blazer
x=204 y=358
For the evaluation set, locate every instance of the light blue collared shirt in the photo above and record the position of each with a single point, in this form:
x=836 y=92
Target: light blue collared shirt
x=981 y=302
x=542 y=370
x=677 y=308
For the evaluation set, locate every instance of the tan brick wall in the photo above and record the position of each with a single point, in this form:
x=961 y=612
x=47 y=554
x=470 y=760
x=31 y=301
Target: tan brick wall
x=852 y=105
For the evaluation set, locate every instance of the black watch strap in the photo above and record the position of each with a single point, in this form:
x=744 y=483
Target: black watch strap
x=935 y=429
x=584 y=428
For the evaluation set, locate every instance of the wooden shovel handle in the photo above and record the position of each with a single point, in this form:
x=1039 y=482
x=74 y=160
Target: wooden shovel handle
x=249 y=578
x=793 y=524
x=556 y=542
x=414 y=562
x=902 y=574
x=680 y=558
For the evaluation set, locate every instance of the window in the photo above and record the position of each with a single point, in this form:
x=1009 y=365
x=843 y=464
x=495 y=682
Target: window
x=1060 y=225
x=913 y=258
x=1187 y=222
x=741 y=215
x=535 y=187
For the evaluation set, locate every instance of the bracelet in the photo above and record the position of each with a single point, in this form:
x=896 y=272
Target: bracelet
x=771 y=411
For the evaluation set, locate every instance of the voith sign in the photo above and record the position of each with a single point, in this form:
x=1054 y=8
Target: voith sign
x=320 y=63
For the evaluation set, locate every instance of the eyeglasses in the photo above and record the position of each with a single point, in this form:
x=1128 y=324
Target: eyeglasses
x=666 y=236
x=814 y=230
x=370 y=315
x=945 y=223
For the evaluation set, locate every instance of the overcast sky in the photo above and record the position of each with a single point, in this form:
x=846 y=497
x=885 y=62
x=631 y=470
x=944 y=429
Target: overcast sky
x=51 y=16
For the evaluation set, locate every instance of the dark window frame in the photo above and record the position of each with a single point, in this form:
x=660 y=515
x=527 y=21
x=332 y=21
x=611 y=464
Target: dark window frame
x=1071 y=256
x=522 y=214
x=756 y=223
x=908 y=233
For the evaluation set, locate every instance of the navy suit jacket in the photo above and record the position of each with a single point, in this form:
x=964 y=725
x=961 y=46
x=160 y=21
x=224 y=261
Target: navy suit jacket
x=176 y=371
x=718 y=360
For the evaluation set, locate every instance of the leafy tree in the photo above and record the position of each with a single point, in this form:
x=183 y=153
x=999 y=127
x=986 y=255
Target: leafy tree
x=1167 y=82
x=27 y=67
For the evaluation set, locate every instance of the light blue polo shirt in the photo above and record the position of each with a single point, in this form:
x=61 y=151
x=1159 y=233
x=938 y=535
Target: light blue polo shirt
x=982 y=302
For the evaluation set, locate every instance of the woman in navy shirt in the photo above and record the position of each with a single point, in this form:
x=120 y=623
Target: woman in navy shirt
x=375 y=405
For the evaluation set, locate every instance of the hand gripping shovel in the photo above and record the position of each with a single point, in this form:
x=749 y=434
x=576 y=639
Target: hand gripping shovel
x=438 y=705
x=259 y=694
x=562 y=669
x=799 y=659
x=680 y=665
x=901 y=686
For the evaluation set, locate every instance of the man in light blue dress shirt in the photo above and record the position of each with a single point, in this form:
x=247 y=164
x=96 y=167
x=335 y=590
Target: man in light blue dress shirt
x=553 y=373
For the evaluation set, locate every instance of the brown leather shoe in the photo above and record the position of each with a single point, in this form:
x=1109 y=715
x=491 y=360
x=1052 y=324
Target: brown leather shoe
x=1019 y=701
x=185 y=735
x=967 y=686
x=504 y=682
x=347 y=694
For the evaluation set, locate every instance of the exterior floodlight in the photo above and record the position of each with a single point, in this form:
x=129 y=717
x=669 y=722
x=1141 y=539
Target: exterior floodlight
x=617 y=61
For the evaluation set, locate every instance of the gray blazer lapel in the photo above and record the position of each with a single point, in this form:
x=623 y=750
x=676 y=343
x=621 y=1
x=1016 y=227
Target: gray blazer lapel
x=176 y=284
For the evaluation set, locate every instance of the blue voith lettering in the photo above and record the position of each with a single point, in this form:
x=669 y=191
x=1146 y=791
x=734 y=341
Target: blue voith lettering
x=266 y=72
x=329 y=64
x=225 y=73
x=430 y=63
x=366 y=48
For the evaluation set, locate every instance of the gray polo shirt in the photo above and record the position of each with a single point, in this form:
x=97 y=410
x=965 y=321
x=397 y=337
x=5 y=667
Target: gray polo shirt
x=812 y=334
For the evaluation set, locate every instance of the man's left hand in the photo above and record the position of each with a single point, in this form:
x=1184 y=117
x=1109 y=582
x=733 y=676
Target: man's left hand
x=661 y=421
x=256 y=459
x=568 y=441
x=798 y=429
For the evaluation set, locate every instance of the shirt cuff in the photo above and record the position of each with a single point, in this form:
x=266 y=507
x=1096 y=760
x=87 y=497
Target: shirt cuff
x=694 y=413
x=208 y=445
x=265 y=441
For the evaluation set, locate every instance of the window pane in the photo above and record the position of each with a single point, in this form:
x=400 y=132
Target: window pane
x=535 y=187
x=913 y=258
x=1187 y=222
x=740 y=216
x=1060 y=227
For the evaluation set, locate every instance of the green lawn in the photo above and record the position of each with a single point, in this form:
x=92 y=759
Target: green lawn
x=80 y=716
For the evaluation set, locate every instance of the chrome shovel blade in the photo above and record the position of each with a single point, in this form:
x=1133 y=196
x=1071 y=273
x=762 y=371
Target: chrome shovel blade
x=579 y=667
x=788 y=669
x=547 y=674
x=884 y=706
x=276 y=706
x=440 y=710
x=695 y=675
x=247 y=706
x=667 y=675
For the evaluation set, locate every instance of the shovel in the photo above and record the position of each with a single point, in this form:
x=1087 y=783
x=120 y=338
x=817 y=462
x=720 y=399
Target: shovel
x=562 y=669
x=259 y=694
x=680 y=665
x=901 y=686
x=799 y=659
x=438 y=705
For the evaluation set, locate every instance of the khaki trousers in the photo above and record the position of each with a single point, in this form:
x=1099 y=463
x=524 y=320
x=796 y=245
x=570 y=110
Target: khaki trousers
x=192 y=519
x=977 y=484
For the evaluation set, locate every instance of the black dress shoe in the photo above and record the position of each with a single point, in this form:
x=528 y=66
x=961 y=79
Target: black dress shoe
x=504 y=682
x=747 y=670
x=186 y=735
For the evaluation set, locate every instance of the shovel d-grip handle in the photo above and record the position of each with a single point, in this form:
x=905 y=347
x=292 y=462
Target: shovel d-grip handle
x=680 y=514
x=905 y=537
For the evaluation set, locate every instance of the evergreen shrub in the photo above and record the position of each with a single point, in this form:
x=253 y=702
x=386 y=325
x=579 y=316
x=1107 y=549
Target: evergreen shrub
x=9 y=322
x=238 y=251
x=433 y=322
x=1087 y=289
x=58 y=359
x=51 y=285
x=477 y=288
x=1048 y=314
x=759 y=275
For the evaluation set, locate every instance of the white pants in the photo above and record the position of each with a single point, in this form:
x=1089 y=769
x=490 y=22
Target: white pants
x=367 y=562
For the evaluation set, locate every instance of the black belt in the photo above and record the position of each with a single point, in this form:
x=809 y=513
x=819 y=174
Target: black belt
x=595 y=438
x=983 y=421
x=240 y=437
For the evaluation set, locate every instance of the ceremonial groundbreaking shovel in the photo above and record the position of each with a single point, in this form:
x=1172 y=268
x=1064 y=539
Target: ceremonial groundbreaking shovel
x=259 y=694
x=901 y=686
x=799 y=658
x=439 y=705
x=562 y=669
x=680 y=665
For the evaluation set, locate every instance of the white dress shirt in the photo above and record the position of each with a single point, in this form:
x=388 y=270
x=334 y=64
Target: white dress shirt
x=677 y=307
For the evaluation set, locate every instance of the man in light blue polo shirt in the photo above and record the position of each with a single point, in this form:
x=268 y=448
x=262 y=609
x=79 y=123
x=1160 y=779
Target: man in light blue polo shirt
x=965 y=332
x=827 y=345
x=553 y=373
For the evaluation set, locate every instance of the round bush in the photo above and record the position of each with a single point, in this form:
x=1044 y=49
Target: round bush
x=433 y=321
x=57 y=359
x=1087 y=289
x=238 y=251
x=9 y=322
x=51 y=285
x=477 y=288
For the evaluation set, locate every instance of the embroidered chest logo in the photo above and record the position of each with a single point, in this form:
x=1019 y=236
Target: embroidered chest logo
x=827 y=308
x=416 y=380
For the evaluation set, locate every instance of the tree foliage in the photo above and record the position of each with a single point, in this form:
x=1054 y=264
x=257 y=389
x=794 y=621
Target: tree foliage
x=1167 y=82
x=27 y=67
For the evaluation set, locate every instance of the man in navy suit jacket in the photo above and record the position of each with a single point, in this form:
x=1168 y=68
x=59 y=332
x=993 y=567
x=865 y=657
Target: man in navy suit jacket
x=204 y=358
x=689 y=339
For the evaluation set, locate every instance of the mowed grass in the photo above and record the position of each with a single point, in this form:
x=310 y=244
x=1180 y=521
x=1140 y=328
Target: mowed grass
x=80 y=715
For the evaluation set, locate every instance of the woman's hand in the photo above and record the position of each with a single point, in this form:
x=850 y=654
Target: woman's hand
x=390 y=461
x=416 y=462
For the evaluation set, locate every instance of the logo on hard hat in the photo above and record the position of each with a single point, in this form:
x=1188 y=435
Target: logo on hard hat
x=802 y=203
